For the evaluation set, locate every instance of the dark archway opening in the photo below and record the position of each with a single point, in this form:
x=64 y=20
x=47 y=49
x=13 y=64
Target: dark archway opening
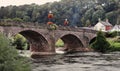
x=92 y=40
x=71 y=43
x=36 y=42
x=20 y=42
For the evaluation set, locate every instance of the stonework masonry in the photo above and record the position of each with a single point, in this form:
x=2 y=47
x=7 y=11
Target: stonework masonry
x=42 y=41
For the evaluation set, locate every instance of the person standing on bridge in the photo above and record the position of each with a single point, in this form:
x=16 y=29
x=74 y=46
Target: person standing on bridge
x=66 y=22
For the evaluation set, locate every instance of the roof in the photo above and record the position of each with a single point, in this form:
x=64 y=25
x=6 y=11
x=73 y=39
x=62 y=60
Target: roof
x=116 y=28
x=105 y=23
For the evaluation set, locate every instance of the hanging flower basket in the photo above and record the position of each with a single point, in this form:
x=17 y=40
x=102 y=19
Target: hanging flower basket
x=50 y=15
x=52 y=27
x=49 y=23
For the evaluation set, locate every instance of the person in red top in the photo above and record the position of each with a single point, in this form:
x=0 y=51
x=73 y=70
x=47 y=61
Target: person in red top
x=50 y=15
x=66 y=22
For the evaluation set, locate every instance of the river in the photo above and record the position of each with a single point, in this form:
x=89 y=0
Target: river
x=82 y=61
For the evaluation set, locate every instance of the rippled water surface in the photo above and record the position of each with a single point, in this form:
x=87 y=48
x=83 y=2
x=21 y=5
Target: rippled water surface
x=89 y=61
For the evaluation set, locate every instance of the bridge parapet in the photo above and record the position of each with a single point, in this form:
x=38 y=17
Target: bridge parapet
x=44 y=26
x=77 y=29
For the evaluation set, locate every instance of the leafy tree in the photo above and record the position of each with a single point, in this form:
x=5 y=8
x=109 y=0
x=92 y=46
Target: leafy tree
x=76 y=11
x=88 y=23
x=100 y=44
x=20 y=42
x=112 y=16
x=26 y=18
x=9 y=58
x=98 y=14
x=17 y=20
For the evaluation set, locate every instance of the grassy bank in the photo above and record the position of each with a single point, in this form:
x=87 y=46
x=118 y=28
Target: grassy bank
x=115 y=43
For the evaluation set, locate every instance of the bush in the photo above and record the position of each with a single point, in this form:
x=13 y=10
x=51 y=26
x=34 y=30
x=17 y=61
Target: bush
x=59 y=43
x=9 y=58
x=52 y=27
x=20 y=42
x=115 y=44
x=17 y=20
x=100 y=44
x=111 y=34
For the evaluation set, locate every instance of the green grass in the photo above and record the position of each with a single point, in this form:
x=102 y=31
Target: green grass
x=115 y=46
x=59 y=43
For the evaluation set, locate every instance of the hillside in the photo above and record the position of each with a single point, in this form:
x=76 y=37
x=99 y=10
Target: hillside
x=78 y=12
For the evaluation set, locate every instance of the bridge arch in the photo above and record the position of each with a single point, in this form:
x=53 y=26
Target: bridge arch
x=92 y=40
x=38 y=43
x=71 y=42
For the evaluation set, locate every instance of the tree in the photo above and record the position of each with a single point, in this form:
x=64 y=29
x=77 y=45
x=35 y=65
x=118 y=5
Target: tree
x=20 y=42
x=88 y=23
x=97 y=14
x=112 y=16
x=100 y=44
x=9 y=58
x=17 y=20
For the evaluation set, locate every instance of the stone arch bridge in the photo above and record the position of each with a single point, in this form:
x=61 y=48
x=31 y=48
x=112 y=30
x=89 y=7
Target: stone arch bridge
x=42 y=40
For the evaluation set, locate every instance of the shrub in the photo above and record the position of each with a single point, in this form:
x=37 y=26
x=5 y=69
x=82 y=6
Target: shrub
x=9 y=58
x=20 y=42
x=100 y=44
x=52 y=27
x=111 y=34
x=59 y=43
x=17 y=20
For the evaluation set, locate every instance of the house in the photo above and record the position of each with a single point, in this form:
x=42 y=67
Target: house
x=115 y=28
x=103 y=26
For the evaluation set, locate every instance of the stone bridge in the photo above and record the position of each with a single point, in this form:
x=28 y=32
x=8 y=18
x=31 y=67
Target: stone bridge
x=42 y=40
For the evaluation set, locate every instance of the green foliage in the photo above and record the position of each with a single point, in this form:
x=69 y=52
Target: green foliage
x=59 y=43
x=20 y=42
x=112 y=16
x=115 y=44
x=98 y=14
x=114 y=39
x=87 y=23
x=111 y=34
x=9 y=59
x=100 y=44
x=17 y=20
x=76 y=11
x=52 y=27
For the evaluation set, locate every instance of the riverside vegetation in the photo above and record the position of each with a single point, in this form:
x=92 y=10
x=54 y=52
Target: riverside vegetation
x=78 y=12
x=102 y=44
x=10 y=59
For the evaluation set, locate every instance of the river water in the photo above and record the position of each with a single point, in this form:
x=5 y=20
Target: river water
x=82 y=61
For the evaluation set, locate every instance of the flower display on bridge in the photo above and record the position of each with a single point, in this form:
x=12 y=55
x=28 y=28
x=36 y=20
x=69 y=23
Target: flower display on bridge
x=49 y=23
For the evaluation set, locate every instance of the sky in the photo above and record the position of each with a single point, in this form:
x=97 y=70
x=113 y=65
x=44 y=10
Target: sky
x=22 y=2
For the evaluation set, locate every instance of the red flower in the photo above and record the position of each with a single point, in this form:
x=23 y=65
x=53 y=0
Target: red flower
x=50 y=15
x=49 y=23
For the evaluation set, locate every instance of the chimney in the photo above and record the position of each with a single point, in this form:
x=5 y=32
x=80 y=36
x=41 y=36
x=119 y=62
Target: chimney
x=99 y=19
x=107 y=20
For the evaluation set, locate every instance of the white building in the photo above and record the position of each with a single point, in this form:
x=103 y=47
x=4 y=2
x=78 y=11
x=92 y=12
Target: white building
x=115 y=28
x=103 y=26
